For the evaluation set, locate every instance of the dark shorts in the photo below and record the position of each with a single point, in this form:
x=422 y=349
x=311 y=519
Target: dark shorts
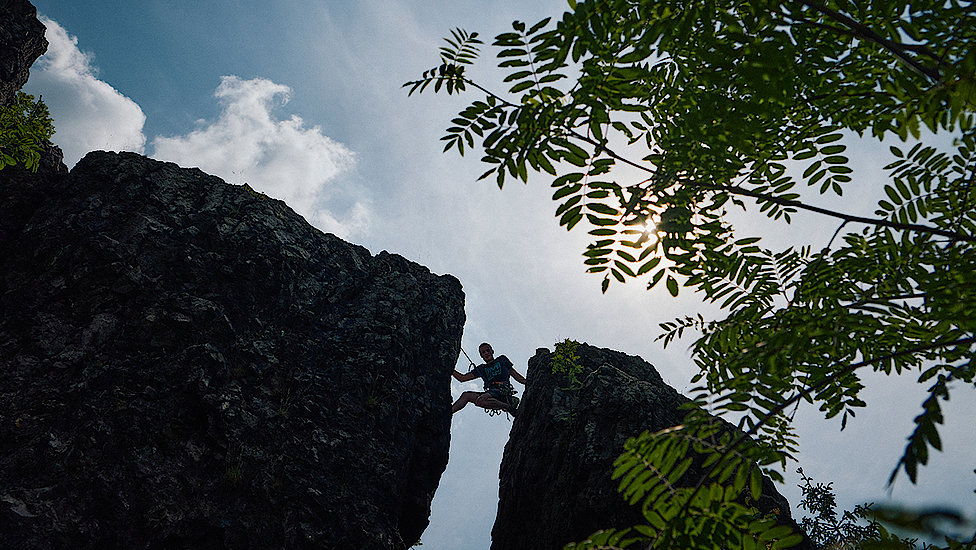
x=501 y=395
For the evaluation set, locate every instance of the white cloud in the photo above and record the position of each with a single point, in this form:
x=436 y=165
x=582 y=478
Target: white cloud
x=281 y=158
x=88 y=113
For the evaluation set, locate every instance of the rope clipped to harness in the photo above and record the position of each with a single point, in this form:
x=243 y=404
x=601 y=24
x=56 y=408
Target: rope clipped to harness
x=504 y=393
x=493 y=412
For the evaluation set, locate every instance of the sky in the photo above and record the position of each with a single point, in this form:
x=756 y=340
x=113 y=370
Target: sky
x=302 y=99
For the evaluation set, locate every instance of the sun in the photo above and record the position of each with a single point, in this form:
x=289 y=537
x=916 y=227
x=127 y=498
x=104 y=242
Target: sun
x=646 y=232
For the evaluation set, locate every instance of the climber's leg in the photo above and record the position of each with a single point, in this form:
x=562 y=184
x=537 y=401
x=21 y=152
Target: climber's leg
x=467 y=397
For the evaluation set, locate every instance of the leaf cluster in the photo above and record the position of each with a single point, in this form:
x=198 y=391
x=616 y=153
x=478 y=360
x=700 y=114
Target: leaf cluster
x=697 y=485
x=565 y=362
x=25 y=127
x=461 y=50
x=824 y=527
x=869 y=527
x=726 y=104
x=801 y=324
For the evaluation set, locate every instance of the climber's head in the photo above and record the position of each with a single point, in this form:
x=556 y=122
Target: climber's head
x=486 y=352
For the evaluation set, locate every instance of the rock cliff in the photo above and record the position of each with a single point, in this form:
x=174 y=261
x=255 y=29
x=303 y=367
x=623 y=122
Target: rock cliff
x=21 y=43
x=186 y=363
x=555 y=477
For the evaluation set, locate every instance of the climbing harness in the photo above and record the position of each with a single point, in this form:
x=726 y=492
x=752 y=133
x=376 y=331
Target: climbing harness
x=505 y=394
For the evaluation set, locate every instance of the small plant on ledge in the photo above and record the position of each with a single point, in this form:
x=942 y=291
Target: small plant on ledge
x=25 y=127
x=565 y=361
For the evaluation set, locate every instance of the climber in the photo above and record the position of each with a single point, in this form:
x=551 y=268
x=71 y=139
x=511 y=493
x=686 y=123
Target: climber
x=499 y=393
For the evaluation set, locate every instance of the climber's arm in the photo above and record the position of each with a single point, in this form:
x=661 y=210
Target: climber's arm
x=464 y=377
x=518 y=377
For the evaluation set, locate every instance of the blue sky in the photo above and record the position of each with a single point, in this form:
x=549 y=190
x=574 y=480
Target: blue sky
x=302 y=99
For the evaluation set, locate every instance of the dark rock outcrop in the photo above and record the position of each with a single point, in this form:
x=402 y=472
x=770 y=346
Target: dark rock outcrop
x=186 y=363
x=555 y=477
x=21 y=43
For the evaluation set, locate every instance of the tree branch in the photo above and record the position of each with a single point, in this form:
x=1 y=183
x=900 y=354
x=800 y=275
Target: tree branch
x=883 y=300
x=862 y=31
x=736 y=190
x=952 y=235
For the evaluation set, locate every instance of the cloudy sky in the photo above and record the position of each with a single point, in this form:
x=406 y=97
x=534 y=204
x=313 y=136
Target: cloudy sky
x=302 y=99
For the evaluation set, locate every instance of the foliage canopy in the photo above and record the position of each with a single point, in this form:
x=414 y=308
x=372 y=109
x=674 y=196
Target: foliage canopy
x=25 y=127
x=656 y=118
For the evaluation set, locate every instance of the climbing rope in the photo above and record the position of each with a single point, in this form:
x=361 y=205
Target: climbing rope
x=468 y=358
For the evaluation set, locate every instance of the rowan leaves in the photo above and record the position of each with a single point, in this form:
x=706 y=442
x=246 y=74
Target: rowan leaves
x=653 y=119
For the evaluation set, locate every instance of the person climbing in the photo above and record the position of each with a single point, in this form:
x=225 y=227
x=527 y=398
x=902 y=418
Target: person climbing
x=499 y=393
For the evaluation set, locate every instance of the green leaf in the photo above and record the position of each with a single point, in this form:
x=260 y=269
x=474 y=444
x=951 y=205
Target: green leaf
x=812 y=168
x=776 y=532
x=672 y=286
x=627 y=256
x=829 y=138
x=892 y=194
x=788 y=541
x=518 y=75
x=596 y=220
x=512 y=52
x=649 y=265
x=567 y=178
x=602 y=208
x=755 y=483
x=655 y=279
x=566 y=191
x=538 y=26
x=624 y=268
x=522 y=86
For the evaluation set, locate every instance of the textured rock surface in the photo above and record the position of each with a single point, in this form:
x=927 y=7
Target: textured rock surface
x=21 y=43
x=188 y=364
x=555 y=484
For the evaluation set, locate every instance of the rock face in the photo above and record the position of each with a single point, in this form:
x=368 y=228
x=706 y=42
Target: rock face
x=555 y=477
x=188 y=364
x=21 y=43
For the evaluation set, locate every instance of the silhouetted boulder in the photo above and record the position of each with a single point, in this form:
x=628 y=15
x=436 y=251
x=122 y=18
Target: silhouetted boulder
x=555 y=477
x=186 y=363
